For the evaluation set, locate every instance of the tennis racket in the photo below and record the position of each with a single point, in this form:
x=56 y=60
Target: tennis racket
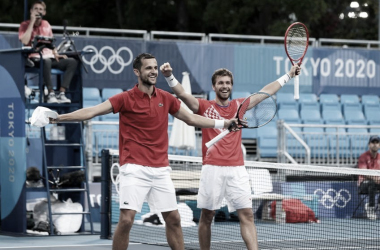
x=255 y=111
x=296 y=43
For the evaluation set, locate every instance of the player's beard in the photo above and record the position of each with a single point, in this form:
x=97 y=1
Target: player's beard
x=146 y=81
x=223 y=96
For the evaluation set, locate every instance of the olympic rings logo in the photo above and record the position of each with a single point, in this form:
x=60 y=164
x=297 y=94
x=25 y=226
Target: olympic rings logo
x=332 y=198
x=107 y=63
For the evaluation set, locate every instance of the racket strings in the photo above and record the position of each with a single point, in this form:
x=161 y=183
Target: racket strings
x=296 y=41
x=261 y=113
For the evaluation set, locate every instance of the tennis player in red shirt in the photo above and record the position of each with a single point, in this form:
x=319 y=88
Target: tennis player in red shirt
x=223 y=172
x=143 y=149
x=370 y=184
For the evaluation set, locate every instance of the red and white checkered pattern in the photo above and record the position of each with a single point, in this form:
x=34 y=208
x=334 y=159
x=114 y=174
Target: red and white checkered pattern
x=212 y=113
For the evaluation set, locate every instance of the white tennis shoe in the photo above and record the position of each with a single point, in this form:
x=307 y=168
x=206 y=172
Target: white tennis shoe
x=371 y=213
x=61 y=97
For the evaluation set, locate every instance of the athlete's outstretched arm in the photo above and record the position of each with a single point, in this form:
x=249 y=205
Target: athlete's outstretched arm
x=85 y=113
x=275 y=86
x=202 y=122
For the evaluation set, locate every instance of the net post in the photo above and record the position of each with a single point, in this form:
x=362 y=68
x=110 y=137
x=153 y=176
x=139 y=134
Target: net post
x=105 y=230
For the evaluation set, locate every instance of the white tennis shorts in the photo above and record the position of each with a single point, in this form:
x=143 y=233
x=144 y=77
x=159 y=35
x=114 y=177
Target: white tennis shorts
x=231 y=183
x=139 y=183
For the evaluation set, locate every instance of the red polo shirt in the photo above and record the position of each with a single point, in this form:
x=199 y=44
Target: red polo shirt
x=143 y=126
x=226 y=152
x=42 y=30
x=366 y=161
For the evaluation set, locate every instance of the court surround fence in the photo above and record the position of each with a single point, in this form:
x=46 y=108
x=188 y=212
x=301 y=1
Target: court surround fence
x=193 y=36
x=331 y=193
x=294 y=144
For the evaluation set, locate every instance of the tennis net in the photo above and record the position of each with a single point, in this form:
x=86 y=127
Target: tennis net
x=295 y=207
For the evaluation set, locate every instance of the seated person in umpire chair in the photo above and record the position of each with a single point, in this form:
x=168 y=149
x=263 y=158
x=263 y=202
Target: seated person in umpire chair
x=370 y=184
x=35 y=27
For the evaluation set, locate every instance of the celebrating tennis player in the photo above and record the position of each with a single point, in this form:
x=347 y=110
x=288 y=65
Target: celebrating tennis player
x=223 y=172
x=143 y=149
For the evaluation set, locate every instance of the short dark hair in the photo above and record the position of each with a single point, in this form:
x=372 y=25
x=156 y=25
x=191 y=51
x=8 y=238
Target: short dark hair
x=39 y=2
x=222 y=72
x=137 y=62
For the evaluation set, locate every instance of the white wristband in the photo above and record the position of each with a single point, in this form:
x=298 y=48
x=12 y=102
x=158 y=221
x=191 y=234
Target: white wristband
x=219 y=124
x=283 y=79
x=171 y=81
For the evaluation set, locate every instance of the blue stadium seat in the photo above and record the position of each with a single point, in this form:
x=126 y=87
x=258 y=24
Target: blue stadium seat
x=211 y=95
x=294 y=147
x=372 y=111
x=240 y=94
x=249 y=133
x=313 y=129
x=289 y=115
x=91 y=94
x=104 y=136
x=344 y=146
x=170 y=121
x=345 y=98
x=308 y=98
x=288 y=105
x=328 y=98
x=331 y=106
x=286 y=101
x=108 y=92
x=336 y=128
x=374 y=131
x=370 y=99
x=358 y=136
x=332 y=114
x=358 y=123
x=311 y=115
x=310 y=105
x=267 y=146
x=285 y=97
x=267 y=140
x=318 y=144
x=353 y=111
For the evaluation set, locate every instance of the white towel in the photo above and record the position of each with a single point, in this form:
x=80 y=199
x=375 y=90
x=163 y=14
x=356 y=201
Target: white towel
x=41 y=115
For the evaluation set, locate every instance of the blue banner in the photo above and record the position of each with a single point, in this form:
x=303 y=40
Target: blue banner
x=324 y=70
x=327 y=199
x=12 y=142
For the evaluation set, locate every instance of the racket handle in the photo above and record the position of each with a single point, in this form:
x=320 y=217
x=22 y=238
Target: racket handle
x=217 y=138
x=296 y=88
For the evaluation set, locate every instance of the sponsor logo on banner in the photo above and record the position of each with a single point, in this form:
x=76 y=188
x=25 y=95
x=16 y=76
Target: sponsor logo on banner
x=332 y=198
x=108 y=58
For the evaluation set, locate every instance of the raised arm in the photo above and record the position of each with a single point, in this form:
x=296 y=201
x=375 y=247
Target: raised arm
x=85 y=113
x=190 y=101
x=275 y=86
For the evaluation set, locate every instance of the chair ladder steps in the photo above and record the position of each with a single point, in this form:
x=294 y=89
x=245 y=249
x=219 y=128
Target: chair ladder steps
x=71 y=213
x=66 y=167
x=64 y=144
x=61 y=190
x=48 y=171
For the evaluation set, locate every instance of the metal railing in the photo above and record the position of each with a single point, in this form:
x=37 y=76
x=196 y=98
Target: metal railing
x=193 y=36
x=335 y=145
x=345 y=43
